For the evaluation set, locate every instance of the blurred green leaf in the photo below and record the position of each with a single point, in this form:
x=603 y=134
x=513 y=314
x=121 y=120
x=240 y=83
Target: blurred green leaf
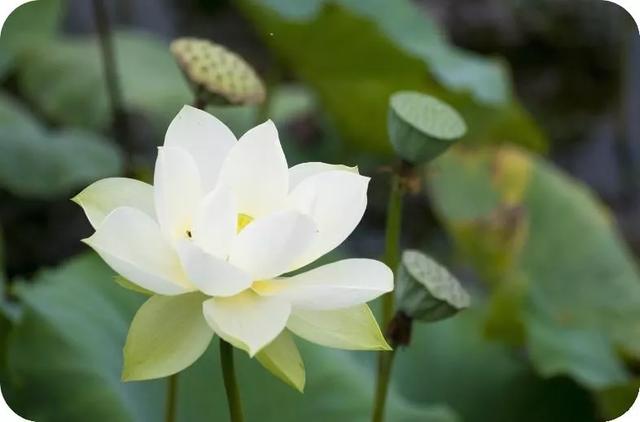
x=29 y=25
x=80 y=318
x=6 y=61
x=451 y=362
x=286 y=102
x=57 y=162
x=239 y=118
x=64 y=78
x=377 y=48
x=580 y=290
x=295 y=9
x=505 y=316
x=586 y=354
x=151 y=80
x=65 y=354
x=12 y=112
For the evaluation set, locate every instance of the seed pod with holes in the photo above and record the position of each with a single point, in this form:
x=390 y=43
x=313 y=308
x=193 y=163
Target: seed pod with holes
x=217 y=75
x=426 y=291
x=422 y=127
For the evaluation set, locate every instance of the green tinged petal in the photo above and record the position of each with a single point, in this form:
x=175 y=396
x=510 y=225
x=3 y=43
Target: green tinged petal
x=103 y=196
x=353 y=328
x=282 y=359
x=168 y=333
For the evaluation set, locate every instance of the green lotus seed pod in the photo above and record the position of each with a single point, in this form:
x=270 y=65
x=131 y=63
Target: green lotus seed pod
x=216 y=74
x=426 y=291
x=422 y=127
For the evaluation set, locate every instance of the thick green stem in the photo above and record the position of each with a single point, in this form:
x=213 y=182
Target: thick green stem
x=172 y=391
x=392 y=240
x=230 y=384
x=391 y=258
x=385 y=362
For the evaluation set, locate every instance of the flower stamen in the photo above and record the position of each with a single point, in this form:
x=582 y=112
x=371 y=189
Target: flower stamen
x=243 y=221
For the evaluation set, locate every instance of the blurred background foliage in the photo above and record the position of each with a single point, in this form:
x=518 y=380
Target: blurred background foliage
x=536 y=210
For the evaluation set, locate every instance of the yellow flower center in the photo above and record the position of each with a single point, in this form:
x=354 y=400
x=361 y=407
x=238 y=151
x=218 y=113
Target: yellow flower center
x=243 y=221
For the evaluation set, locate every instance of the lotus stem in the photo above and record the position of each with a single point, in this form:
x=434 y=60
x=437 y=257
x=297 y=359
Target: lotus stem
x=385 y=362
x=391 y=258
x=230 y=383
x=172 y=391
x=392 y=240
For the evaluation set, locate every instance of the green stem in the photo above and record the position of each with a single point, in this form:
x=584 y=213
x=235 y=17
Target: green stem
x=172 y=388
x=392 y=240
x=391 y=258
x=385 y=362
x=230 y=384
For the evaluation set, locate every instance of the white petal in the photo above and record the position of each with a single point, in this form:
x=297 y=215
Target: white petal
x=247 y=321
x=353 y=328
x=302 y=171
x=335 y=201
x=132 y=244
x=213 y=276
x=177 y=190
x=256 y=170
x=268 y=246
x=206 y=138
x=215 y=222
x=338 y=285
x=104 y=196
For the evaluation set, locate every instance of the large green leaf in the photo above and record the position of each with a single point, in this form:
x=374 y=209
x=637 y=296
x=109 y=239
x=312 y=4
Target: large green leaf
x=65 y=361
x=451 y=362
x=356 y=53
x=537 y=229
x=57 y=76
x=30 y=24
x=57 y=162
x=65 y=354
x=12 y=112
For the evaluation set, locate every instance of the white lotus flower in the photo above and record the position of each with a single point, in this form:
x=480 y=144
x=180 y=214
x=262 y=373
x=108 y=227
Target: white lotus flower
x=229 y=220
